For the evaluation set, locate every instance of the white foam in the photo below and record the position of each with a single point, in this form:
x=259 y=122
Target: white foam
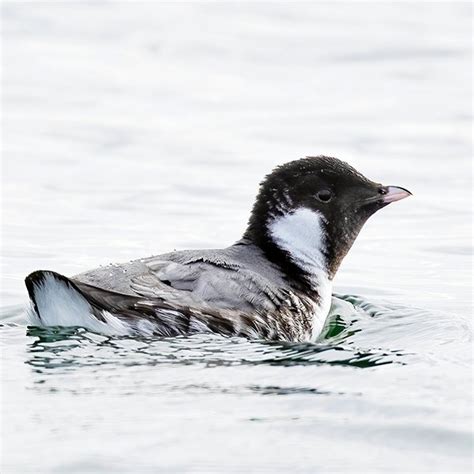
x=301 y=234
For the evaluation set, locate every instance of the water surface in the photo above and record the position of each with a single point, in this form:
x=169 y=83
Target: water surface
x=131 y=130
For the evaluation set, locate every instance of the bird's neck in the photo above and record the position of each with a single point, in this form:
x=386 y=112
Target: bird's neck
x=296 y=242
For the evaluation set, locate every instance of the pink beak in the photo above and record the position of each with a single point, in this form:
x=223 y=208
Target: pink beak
x=395 y=193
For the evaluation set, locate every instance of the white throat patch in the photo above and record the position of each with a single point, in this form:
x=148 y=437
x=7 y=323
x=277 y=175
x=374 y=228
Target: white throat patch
x=301 y=234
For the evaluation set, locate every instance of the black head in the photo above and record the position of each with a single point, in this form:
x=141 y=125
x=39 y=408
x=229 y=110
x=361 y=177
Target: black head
x=340 y=197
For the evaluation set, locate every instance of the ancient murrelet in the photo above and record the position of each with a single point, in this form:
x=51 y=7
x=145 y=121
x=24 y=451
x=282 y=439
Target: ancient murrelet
x=274 y=283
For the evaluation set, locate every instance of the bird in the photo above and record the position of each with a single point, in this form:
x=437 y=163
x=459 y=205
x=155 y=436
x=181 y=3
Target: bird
x=275 y=283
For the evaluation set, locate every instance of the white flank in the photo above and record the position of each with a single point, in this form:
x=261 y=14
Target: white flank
x=60 y=305
x=301 y=234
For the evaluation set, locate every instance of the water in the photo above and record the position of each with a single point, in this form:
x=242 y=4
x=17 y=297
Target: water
x=134 y=129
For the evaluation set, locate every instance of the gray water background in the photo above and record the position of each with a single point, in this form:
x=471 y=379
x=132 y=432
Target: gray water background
x=134 y=129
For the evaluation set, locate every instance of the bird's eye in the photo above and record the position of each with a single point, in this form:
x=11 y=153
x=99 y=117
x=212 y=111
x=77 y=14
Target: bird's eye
x=324 y=196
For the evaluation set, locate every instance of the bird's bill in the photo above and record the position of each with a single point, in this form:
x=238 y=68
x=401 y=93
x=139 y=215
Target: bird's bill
x=394 y=193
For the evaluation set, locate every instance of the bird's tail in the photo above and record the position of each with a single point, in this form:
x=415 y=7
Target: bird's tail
x=60 y=301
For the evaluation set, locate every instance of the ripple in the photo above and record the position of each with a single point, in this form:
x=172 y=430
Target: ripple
x=358 y=333
x=55 y=349
x=67 y=348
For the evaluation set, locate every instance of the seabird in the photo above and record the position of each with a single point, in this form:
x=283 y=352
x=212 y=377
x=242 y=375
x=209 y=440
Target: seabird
x=274 y=283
